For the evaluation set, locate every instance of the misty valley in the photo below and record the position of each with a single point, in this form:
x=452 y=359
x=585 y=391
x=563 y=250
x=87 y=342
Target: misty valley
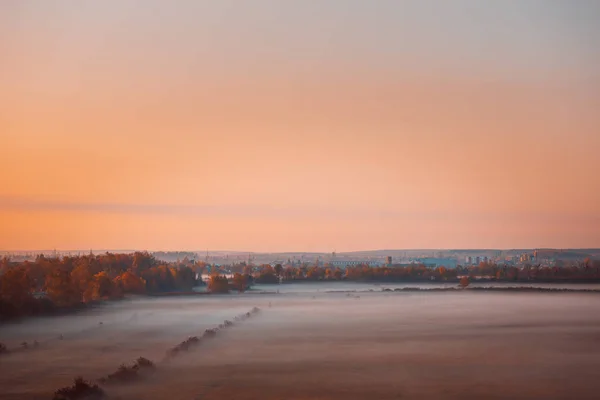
x=319 y=341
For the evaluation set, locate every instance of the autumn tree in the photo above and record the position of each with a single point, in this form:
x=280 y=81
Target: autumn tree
x=218 y=284
x=338 y=274
x=315 y=273
x=4 y=264
x=61 y=289
x=16 y=296
x=15 y=285
x=247 y=270
x=102 y=287
x=240 y=282
x=278 y=268
x=159 y=279
x=82 y=276
x=267 y=275
x=130 y=283
x=184 y=278
x=441 y=270
x=289 y=273
x=142 y=261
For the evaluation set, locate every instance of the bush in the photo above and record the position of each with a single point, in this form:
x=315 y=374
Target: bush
x=122 y=375
x=80 y=390
x=144 y=363
x=209 y=333
x=125 y=374
x=3 y=348
x=225 y=324
x=186 y=345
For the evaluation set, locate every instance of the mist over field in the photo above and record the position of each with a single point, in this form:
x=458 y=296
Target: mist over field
x=314 y=344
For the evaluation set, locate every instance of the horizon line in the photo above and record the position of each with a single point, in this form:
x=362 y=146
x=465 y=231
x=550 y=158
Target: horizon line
x=128 y=251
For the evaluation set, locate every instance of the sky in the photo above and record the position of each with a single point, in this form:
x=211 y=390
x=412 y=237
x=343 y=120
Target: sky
x=279 y=125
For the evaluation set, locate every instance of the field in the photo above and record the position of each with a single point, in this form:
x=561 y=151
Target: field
x=309 y=344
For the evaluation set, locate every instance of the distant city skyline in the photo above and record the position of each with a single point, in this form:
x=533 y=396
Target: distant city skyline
x=299 y=125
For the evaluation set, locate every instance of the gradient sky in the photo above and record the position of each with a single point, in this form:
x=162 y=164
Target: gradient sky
x=299 y=125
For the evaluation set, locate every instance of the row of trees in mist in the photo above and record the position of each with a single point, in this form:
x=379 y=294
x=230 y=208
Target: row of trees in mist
x=221 y=284
x=587 y=271
x=48 y=285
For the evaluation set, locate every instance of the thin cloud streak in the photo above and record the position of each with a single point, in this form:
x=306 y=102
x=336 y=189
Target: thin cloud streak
x=277 y=212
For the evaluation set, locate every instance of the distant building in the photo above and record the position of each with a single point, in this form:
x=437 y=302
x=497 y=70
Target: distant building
x=353 y=263
x=274 y=263
x=526 y=257
x=438 y=262
x=388 y=260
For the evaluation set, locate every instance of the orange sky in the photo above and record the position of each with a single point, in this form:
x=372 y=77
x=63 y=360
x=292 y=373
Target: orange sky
x=114 y=138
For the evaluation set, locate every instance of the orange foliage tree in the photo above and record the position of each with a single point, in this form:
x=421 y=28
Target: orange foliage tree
x=218 y=284
x=130 y=283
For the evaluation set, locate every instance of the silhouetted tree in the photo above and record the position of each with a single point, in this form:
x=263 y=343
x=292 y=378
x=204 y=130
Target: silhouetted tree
x=278 y=269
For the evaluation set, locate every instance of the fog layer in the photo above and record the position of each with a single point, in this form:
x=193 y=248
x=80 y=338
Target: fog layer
x=316 y=345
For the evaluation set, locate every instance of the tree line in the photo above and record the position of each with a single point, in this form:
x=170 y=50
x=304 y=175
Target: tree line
x=586 y=271
x=49 y=285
